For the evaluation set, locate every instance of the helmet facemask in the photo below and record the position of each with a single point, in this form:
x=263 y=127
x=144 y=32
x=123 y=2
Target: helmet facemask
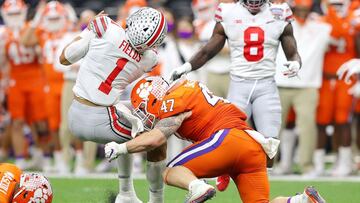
x=254 y=6
x=148 y=119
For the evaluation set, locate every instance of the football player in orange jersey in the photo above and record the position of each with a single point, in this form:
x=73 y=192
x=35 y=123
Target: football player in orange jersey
x=223 y=143
x=26 y=86
x=335 y=104
x=46 y=29
x=19 y=187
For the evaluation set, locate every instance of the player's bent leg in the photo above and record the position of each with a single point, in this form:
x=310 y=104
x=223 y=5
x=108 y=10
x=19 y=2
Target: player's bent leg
x=155 y=167
x=126 y=187
x=182 y=177
x=253 y=187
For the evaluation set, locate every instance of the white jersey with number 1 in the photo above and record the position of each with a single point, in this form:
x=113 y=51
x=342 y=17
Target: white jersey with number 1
x=253 y=39
x=109 y=65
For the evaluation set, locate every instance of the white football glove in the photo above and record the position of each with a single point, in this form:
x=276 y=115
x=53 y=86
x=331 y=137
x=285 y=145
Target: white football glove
x=349 y=69
x=113 y=150
x=293 y=68
x=177 y=72
x=355 y=90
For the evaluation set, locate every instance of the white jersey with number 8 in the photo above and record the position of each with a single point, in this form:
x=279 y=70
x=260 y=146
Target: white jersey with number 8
x=110 y=65
x=253 y=39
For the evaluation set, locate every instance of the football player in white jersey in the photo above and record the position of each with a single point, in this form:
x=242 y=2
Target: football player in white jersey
x=254 y=29
x=112 y=59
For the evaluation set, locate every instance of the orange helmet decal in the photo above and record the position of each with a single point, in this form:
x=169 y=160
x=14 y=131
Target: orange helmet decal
x=33 y=188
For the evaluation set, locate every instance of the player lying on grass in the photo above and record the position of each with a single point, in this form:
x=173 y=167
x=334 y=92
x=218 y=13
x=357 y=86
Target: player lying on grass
x=223 y=143
x=19 y=187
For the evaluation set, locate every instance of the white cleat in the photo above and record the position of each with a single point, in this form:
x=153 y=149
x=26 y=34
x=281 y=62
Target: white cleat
x=127 y=198
x=200 y=194
x=104 y=166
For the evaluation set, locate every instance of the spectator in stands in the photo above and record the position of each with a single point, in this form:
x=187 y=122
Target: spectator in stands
x=301 y=93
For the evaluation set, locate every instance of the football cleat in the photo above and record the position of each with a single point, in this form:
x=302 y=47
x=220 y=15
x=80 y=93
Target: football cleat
x=200 y=194
x=222 y=182
x=313 y=195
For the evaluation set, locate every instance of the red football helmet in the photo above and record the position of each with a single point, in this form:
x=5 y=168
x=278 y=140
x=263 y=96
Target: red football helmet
x=146 y=99
x=14 y=13
x=33 y=188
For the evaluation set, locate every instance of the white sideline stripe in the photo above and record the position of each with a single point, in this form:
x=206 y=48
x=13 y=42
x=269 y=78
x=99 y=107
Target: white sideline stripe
x=197 y=149
x=286 y=178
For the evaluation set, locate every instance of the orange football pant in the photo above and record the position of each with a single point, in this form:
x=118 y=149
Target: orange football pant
x=233 y=152
x=335 y=104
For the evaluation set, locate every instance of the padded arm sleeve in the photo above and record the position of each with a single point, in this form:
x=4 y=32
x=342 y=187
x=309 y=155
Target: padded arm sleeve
x=78 y=49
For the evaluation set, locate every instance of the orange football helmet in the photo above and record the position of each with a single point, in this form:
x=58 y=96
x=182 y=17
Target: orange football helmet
x=14 y=13
x=33 y=188
x=55 y=16
x=146 y=97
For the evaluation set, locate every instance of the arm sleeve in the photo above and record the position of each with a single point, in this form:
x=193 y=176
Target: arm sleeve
x=57 y=65
x=78 y=49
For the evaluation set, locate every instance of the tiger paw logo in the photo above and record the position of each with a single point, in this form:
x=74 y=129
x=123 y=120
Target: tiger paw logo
x=144 y=90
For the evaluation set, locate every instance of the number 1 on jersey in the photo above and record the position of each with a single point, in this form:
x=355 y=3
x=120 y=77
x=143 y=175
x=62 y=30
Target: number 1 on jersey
x=254 y=43
x=105 y=86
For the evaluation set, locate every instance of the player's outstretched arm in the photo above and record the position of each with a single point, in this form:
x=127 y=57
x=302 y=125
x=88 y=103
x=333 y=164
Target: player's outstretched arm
x=149 y=140
x=77 y=49
x=209 y=50
x=288 y=43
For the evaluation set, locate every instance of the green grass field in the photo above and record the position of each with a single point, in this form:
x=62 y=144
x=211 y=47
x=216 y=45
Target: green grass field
x=101 y=190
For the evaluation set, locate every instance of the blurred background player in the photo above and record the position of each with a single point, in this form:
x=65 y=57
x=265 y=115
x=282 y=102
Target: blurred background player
x=19 y=187
x=188 y=109
x=84 y=152
x=96 y=113
x=26 y=85
x=204 y=23
x=335 y=104
x=253 y=49
x=302 y=93
x=46 y=29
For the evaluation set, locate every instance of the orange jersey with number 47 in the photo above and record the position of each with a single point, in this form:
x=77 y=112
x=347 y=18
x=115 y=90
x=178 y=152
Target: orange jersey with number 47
x=209 y=113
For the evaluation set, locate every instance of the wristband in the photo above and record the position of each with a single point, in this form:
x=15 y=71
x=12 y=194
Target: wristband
x=122 y=149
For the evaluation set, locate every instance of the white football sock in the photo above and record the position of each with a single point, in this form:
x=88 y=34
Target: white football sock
x=154 y=176
x=301 y=198
x=124 y=170
x=319 y=163
x=195 y=183
x=288 y=138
